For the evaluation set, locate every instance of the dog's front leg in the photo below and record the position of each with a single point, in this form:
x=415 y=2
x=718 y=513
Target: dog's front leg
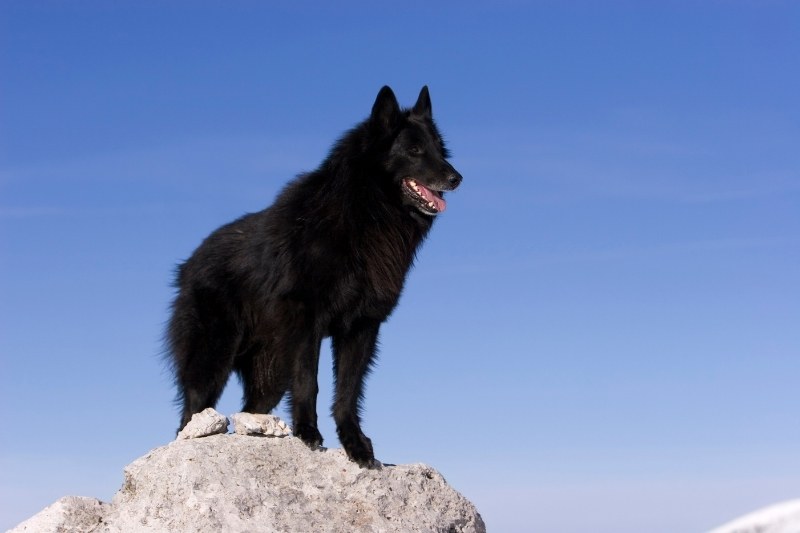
x=353 y=352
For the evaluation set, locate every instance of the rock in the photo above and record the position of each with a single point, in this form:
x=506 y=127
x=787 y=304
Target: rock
x=238 y=483
x=253 y=424
x=779 y=518
x=73 y=514
x=205 y=423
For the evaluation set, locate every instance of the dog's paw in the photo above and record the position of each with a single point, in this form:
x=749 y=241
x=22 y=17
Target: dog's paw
x=359 y=449
x=308 y=434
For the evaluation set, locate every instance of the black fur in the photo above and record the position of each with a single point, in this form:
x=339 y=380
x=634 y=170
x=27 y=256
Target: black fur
x=328 y=258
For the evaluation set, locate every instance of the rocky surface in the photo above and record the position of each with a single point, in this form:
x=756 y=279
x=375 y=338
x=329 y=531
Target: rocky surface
x=240 y=483
x=70 y=514
x=205 y=423
x=250 y=424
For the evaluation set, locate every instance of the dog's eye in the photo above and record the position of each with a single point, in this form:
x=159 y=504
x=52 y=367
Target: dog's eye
x=414 y=149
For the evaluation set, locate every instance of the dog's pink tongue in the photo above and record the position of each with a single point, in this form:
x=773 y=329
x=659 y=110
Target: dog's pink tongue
x=438 y=202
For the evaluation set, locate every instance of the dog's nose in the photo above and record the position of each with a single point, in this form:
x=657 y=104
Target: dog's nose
x=454 y=180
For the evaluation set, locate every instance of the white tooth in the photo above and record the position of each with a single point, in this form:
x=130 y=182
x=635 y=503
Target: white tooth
x=412 y=183
x=430 y=204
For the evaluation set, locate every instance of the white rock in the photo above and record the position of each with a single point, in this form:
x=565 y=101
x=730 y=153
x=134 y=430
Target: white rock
x=237 y=484
x=205 y=423
x=258 y=424
x=779 y=518
x=73 y=514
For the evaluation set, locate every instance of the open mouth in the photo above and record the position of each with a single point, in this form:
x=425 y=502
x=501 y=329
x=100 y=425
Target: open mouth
x=426 y=200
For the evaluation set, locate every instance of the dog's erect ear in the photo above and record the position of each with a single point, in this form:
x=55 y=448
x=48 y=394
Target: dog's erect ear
x=423 y=106
x=385 y=110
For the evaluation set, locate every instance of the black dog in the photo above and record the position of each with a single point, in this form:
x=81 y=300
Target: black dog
x=328 y=258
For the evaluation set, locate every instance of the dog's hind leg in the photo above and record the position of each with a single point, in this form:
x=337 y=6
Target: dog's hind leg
x=297 y=344
x=353 y=352
x=304 y=389
x=263 y=378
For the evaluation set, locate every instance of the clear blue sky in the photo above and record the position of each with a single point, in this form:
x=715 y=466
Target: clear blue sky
x=602 y=332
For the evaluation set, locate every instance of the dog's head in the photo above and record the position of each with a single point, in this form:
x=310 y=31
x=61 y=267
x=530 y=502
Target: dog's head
x=416 y=158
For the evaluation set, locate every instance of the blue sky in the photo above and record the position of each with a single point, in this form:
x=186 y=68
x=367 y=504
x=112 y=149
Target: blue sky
x=601 y=333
